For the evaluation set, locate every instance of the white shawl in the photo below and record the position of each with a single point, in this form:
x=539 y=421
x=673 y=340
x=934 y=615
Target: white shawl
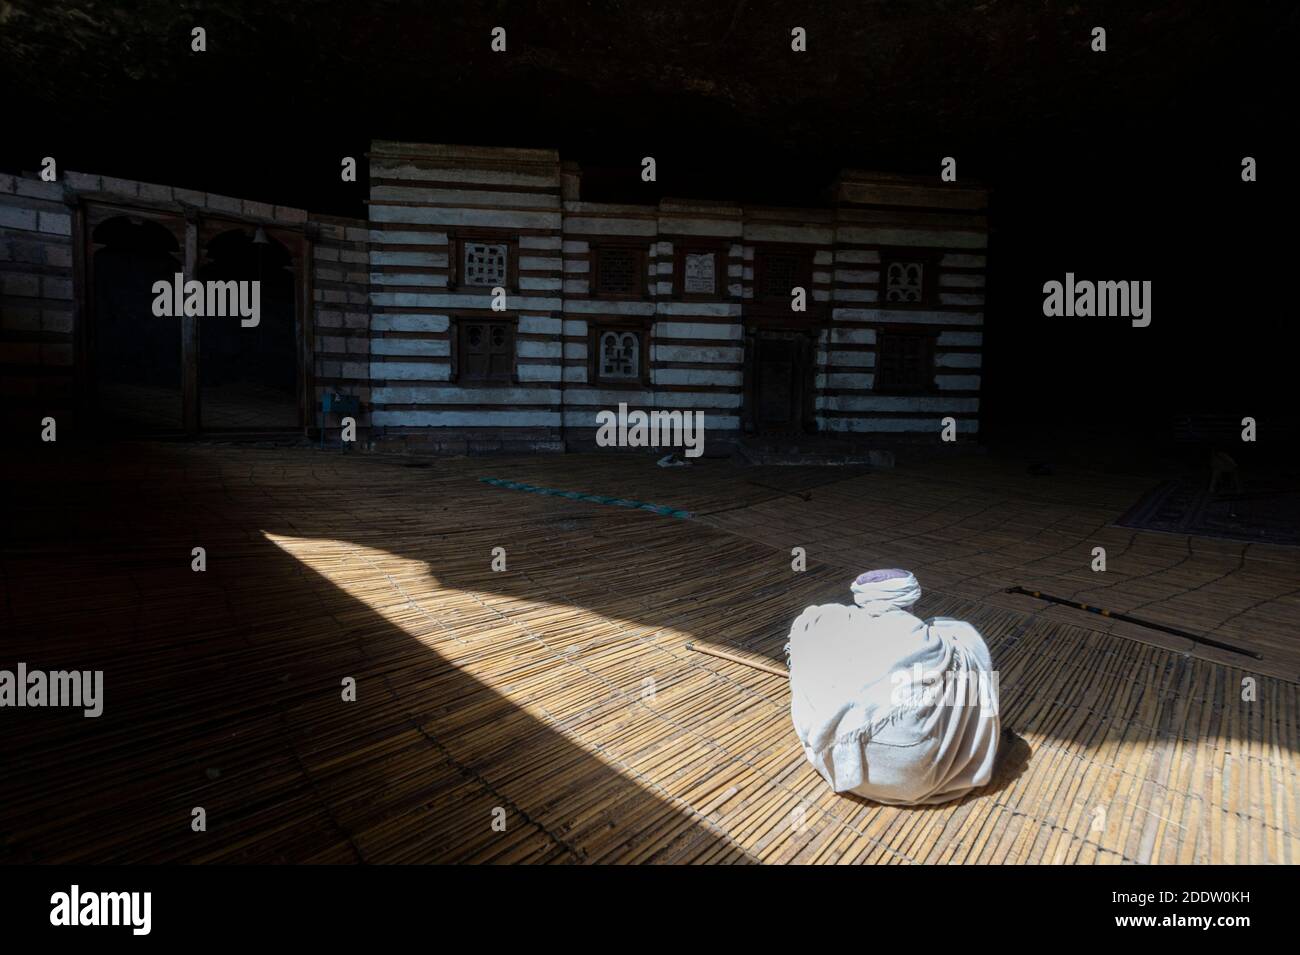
x=888 y=706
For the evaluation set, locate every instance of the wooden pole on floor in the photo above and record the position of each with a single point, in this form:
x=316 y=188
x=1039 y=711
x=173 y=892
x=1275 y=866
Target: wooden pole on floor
x=723 y=654
x=1138 y=621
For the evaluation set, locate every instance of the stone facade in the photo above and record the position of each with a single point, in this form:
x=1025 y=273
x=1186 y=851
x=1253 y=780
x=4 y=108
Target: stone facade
x=672 y=305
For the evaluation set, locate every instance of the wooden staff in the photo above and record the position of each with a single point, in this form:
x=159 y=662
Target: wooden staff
x=741 y=660
x=1196 y=638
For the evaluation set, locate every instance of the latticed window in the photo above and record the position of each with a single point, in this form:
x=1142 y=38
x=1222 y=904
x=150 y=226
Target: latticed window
x=904 y=361
x=487 y=351
x=776 y=273
x=699 y=273
x=620 y=354
x=904 y=282
x=619 y=270
x=485 y=263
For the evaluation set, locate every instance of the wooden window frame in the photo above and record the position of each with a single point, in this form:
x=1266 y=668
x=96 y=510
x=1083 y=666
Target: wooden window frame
x=458 y=326
x=684 y=247
x=929 y=336
x=929 y=260
x=456 y=260
x=641 y=247
x=595 y=328
x=761 y=252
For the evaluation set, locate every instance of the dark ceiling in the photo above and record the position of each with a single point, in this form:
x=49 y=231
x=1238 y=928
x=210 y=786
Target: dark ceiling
x=1116 y=165
x=712 y=89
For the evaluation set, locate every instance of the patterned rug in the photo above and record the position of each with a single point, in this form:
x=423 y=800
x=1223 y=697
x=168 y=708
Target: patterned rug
x=1269 y=514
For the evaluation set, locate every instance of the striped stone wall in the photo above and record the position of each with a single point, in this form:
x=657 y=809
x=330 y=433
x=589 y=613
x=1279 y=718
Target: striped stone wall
x=388 y=300
x=848 y=398
x=341 y=310
x=37 y=351
x=889 y=218
x=698 y=352
x=423 y=199
x=695 y=343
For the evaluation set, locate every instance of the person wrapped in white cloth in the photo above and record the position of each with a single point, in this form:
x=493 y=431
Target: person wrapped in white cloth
x=888 y=706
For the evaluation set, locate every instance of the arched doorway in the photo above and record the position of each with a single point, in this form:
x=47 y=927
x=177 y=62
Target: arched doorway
x=248 y=375
x=136 y=357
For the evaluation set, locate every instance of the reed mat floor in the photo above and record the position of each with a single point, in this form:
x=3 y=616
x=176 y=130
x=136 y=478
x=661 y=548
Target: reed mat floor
x=551 y=712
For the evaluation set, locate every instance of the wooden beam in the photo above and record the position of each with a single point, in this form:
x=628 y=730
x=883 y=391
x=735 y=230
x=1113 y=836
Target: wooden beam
x=190 y=394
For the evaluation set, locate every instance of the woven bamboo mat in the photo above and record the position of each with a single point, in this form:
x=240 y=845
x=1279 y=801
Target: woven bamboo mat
x=558 y=695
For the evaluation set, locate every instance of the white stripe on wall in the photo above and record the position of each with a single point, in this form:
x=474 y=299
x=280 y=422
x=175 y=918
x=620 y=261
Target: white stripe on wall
x=812 y=235
x=464 y=419
x=865 y=276
x=381 y=169
x=427 y=259
x=953 y=298
x=961 y=260
x=853 y=359
x=456 y=395
x=455 y=197
x=483 y=218
x=609 y=307
x=964 y=425
x=539 y=372
x=719 y=309
x=858 y=256
x=450 y=300
x=416 y=371
x=408 y=278
x=539 y=349
x=694 y=376
x=698 y=353
x=904 y=316
x=585 y=225
x=845 y=380
x=706 y=330
x=868 y=235
x=919 y=403
x=721 y=228
x=398 y=237
x=536 y=325
x=853 y=336
x=398 y=322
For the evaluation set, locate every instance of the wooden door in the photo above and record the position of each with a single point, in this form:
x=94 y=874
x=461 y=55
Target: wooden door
x=779 y=373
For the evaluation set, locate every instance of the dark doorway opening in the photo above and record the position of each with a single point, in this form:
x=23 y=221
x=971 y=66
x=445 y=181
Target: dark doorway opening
x=248 y=376
x=136 y=356
x=178 y=374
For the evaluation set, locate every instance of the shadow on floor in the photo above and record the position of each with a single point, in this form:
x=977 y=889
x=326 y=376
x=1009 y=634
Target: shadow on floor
x=223 y=691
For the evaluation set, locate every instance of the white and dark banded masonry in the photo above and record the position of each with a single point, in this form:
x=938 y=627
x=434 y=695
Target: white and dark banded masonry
x=673 y=305
x=670 y=305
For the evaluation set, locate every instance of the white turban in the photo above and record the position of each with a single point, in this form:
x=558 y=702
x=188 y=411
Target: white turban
x=878 y=591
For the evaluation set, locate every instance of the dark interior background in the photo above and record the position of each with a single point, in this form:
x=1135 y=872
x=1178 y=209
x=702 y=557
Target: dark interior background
x=1122 y=165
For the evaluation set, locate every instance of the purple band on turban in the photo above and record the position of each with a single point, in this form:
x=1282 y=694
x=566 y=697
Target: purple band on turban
x=875 y=576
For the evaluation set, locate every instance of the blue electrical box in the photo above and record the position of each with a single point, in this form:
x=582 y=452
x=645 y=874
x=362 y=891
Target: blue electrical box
x=334 y=403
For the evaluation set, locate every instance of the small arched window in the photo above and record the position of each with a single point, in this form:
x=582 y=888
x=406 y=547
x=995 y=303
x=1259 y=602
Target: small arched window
x=905 y=282
x=620 y=354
